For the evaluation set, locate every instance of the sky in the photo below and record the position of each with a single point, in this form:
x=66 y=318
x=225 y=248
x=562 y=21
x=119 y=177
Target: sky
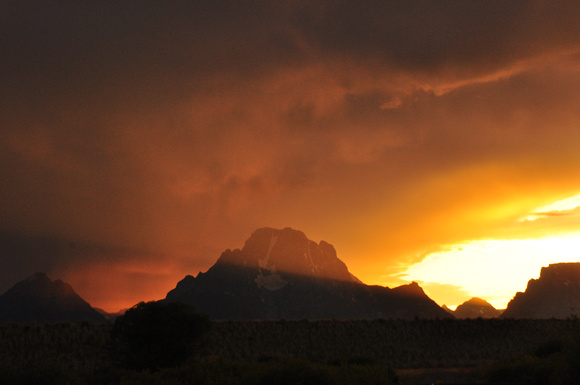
x=426 y=140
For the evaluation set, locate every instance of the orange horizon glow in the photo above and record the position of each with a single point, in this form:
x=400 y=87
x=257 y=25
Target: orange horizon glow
x=495 y=269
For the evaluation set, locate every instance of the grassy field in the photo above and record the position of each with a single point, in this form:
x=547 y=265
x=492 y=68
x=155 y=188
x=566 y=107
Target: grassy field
x=330 y=349
x=400 y=343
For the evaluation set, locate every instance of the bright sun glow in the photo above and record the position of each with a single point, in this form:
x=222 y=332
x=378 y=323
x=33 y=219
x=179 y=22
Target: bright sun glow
x=496 y=269
x=491 y=269
x=563 y=205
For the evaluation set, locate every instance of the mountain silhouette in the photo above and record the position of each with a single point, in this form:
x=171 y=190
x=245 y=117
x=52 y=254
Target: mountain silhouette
x=282 y=274
x=474 y=308
x=555 y=294
x=38 y=299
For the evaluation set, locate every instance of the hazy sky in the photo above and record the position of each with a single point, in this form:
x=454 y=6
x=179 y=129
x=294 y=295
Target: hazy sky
x=140 y=139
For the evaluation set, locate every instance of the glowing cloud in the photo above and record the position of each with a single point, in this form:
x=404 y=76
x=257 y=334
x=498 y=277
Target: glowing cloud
x=563 y=207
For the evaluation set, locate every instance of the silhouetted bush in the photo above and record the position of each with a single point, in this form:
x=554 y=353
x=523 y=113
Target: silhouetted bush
x=156 y=335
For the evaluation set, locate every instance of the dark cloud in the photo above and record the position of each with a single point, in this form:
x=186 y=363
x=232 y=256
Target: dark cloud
x=143 y=131
x=435 y=37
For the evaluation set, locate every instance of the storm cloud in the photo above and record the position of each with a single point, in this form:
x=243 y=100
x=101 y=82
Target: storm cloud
x=141 y=134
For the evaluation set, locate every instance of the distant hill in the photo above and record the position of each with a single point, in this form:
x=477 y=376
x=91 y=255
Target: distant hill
x=474 y=308
x=282 y=274
x=38 y=299
x=555 y=294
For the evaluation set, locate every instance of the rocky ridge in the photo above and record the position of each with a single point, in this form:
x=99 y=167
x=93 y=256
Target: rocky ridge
x=282 y=274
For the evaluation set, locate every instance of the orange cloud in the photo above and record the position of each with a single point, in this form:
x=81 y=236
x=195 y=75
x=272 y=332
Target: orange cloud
x=385 y=129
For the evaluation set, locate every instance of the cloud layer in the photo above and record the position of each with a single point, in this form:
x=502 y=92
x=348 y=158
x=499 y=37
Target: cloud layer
x=158 y=134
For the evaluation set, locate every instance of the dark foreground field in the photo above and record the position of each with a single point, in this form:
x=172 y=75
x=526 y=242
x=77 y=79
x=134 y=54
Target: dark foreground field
x=325 y=351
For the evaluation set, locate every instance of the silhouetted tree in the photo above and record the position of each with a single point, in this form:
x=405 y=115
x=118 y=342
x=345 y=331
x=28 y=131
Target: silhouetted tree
x=154 y=335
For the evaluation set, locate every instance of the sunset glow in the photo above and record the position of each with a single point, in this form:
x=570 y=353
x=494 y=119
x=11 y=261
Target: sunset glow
x=495 y=269
x=427 y=141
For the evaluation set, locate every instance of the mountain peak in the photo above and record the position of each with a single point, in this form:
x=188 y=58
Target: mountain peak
x=476 y=308
x=37 y=277
x=40 y=284
x=283 y=274
x=411 y=289
x=289 y=251
x=38 y=299
x=476 y=301
x=37 y=282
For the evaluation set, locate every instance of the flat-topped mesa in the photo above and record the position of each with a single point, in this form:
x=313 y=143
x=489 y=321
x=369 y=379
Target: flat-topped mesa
x=568 y=271
x=555 y=294
x=289 y=251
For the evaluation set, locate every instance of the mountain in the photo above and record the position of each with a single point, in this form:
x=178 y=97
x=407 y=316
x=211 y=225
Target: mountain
x=475 y=308
x=38 y=299
x=555 y=294
x=444 y=307
x=282 y=274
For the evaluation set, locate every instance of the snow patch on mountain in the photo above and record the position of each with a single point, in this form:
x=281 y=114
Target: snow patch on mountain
x=264 y=263
x=268 y=277
x=271 y=282
x=308 y=256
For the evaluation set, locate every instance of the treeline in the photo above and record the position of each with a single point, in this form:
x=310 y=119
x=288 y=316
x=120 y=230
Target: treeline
x=400 y=343
x=252 y=351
